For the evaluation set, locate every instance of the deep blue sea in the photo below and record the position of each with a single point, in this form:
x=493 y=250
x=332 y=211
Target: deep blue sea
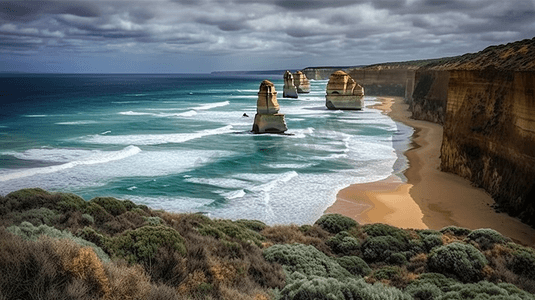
x=181 y=143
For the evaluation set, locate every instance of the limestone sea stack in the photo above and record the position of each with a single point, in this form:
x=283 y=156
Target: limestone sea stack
x=301 y=82
x=267 y=118
x=343 y=92
x=289 y=90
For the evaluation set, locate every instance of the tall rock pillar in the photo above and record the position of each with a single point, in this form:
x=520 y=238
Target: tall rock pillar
x=267 y=118
x=289 y=90
x=301 y=82
x=343 y=92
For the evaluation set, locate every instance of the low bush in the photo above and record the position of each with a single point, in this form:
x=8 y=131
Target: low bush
x=334 y=223
x=36 y=216
x=423 y=291
x=431 y=241
x=457 y=231
x=355 y=265
x=426 y=232
x=486 y=238
x=142 y=244
x=462 y=261
x=227 y=229
x=378 y=229
x=343 y=243
x=305 y=260
x=522 y=262
x=380 y=248
x=111 y=205
x=386 y=273
x=252 y=224
x=28 y=231
x=333 y=289
x=397 y=259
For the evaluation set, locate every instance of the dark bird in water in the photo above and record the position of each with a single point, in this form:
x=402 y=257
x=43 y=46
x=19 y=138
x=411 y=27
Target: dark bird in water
x=245 y=115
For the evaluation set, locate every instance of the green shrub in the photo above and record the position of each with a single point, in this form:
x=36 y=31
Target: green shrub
x=99 y=214
x=523 y=261
x=36 y=216
x=444 y=283
x=333 y=289
x=153 y=221
x=485 y=290
x=387 y=272
x=343 y=243
x=459 y=260
x=334 y=223
x=355 y=265
x=431 y=241
x=307 y=261
x=426 y=232
x=226 y=229
x=380 y=248
x=424 y=291
x=457 y=231
x=378 y=229
x=70 y=202
x=252 y=224
x=486 y=238
x=111 y=205
x=141 y=245
x=29 y=232
x=397 y=259
x=88 y=218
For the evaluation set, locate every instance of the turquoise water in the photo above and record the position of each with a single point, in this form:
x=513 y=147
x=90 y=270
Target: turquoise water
x=180 y=143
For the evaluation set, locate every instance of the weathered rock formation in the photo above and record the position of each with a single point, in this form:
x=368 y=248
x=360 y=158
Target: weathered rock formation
x=343 y=92
x=301 y=82
x=289 y=90
x=267 y=118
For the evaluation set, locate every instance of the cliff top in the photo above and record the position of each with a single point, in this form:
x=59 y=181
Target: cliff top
x=519 y=56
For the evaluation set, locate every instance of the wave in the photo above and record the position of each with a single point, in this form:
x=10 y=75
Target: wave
x=77 y=122
x=105 y=132
x=155 y=139
x=35 y=116
x=104 y=157
x=211 y=105
x=135 y=113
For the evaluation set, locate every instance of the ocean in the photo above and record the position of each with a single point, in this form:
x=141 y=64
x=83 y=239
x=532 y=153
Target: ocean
x=181 y=143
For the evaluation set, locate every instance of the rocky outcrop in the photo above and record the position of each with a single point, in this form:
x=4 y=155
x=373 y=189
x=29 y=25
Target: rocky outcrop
x=343 y=92
x=428 y=101
x=289 y=89
x=267 y=118
x=301 y=82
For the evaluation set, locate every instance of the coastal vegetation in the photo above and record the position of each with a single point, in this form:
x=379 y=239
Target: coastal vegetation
x=59 y=246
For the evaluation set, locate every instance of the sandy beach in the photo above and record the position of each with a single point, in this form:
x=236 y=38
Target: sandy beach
x=429 y=198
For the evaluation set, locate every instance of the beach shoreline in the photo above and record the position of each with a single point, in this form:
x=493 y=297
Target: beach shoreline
x=426 y=197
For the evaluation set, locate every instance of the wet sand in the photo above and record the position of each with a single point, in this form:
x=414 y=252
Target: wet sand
x=429 y=198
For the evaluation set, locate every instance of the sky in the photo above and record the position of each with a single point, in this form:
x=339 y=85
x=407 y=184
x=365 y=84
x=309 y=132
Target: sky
x=201 y=36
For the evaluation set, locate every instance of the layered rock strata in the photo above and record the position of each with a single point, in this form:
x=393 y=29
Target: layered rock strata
x=343 y=92
x=289 y=89
x=267 y=118
x=301 y=82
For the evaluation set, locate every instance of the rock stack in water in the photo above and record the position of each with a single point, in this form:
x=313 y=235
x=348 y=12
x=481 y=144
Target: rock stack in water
x=267 y=118
x=289 y=90
x=343 y=92
x=301 y=82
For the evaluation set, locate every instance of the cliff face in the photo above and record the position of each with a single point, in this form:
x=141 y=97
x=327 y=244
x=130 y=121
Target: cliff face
x=384 y=81
x=486 y=103
x=429 y=98
x=489 y=135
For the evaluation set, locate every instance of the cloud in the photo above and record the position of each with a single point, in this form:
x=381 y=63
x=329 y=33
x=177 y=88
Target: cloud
x=242 y=32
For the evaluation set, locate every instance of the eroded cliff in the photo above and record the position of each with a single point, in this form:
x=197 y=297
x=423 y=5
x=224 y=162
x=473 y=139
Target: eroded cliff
x=486 y=103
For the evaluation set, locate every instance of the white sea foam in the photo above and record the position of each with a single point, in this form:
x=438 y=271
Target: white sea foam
x=103 y=157
x=135 y=113
x=35 y=116
x=155 y=139
x=105 y=132
x=290 y=166
x=189 y=113
x=211 y=105
x=84 y=122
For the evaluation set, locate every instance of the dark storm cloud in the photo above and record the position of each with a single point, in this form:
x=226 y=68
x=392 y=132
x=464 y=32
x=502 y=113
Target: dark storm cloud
x=17 y=10
x=341 y=32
